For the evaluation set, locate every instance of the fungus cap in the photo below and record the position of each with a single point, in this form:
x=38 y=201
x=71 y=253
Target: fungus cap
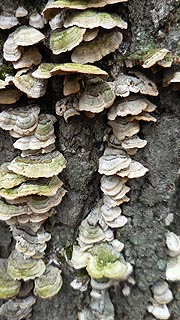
x=45 y=166
x=95 y=50
x=49 y=283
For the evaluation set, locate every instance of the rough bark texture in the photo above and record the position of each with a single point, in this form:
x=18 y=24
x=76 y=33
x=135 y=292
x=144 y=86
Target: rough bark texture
x=152 y=197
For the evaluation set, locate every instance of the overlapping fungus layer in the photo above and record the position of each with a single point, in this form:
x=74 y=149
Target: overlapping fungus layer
x=29 y=190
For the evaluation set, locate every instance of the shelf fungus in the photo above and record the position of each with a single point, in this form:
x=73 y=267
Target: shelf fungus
x=97 y=96
x=41 y=205
x=137 y=82
x=9 y=96
x=91 y=19
x=46 y=166
x=154 y=56
x=36 y=20
x=9 y=179
x=7 y=211
x=8 y=21
x=90 y=233
x=55 y=7
x=21 y=12
x=173 y=269
x=47 y=70
x=20 y=268
x=58 y=20
x=18 y=309
x=123 y=129
x=101 y=307
x=30 y=188
x=65 y=40
x=95 y=50
x=29 y=243
x=173 y=244
x=30 y=57
x=105 y=261
x=49 y=283
x=9 y=287
x=113 y=160
x=159 y=311
x=162 y=293
x=22 y=37
x=130 y=106
x=172 y=77
x=25 y=82
x=22 y=120
x=33 y=221
x=41 y=187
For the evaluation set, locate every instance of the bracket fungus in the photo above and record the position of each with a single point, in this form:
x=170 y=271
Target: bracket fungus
x=54 y=7
x=20 y=268
x=49 y=283
x=9 y=96
x=9 y=287
x=91 y=19
x=22 y=120
x=47 y=70
x=18 y=309
x=46 y=166
x=104 y=261
x=29 y=243
x=97 y=96
x=9 y=179
x=31 y=56
x=41 y=187
x=66 y=40
x=21 y=12
x=8 y=21
x=102 y=45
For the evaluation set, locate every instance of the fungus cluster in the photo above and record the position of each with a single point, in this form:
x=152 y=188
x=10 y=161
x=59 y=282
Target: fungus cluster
x=162 y=295
x=29 y=190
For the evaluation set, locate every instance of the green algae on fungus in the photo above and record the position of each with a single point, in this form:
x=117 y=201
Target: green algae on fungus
x=54 y=7
x=44 y=166
x=7 y=211
x=20 y=268
x=47 y=70
x=9 y=287
x=9 y=179
x=34 y=88
x=91 y=19
x=66 y=40
x=104 y=261
x=49 y=283
x=41 y=187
